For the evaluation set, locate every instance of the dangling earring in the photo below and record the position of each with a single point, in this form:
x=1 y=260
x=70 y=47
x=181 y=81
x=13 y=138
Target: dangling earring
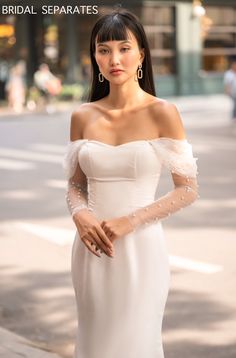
x=100 y=77
x=140 y=72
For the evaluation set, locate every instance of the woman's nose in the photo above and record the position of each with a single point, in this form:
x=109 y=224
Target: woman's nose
x=114 y=59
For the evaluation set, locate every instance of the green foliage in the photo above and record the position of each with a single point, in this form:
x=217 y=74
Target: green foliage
x=72 y=91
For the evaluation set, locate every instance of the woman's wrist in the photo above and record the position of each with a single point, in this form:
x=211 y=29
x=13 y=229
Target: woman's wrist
x=77 y=214
x=134 y=220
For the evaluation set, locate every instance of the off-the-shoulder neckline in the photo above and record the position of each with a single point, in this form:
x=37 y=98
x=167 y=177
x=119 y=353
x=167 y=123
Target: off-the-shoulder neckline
x=131 y=142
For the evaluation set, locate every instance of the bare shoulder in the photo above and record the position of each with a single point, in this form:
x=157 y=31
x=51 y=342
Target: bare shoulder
x=79 y=119
x=168 y=119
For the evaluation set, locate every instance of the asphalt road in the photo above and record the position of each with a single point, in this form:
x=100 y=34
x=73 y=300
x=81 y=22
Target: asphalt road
x=36 y=297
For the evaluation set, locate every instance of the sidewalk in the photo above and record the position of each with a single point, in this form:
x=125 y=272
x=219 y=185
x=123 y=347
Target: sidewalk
x=52 y=109
x=14 y=346
x=187 y=104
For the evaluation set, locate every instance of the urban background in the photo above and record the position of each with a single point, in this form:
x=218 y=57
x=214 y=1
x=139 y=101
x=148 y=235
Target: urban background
x=192 y=45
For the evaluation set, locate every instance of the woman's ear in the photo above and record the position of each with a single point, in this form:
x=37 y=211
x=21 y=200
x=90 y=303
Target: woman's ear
x=142 y=54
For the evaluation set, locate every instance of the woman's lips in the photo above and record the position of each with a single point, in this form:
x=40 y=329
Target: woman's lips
x=116 y=72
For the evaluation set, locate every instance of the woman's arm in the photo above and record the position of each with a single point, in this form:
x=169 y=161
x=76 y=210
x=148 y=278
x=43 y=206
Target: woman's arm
x=184 y=193
x=177 y=157
x=76 y=194
x=87 y=224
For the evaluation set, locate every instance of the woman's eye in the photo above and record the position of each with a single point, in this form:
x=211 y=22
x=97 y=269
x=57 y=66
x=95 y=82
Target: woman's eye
x=103 y=50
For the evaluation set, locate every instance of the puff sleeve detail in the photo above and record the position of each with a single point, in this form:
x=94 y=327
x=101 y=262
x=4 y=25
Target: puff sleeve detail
x=71 y=157
x=176 y=155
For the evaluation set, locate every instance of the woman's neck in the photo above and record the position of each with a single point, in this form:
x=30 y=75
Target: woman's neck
x=126 y=95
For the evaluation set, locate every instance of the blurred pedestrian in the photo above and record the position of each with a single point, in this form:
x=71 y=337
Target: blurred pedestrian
x=230 y=87
x=4 y=75
x=16 y=87
x=48 y=84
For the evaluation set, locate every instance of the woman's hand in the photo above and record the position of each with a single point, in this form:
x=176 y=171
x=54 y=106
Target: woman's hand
x=92 y=234
x=116 y=228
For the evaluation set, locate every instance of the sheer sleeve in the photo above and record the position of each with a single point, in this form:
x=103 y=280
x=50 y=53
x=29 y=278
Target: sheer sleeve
x=76 y=192
x=177 y=156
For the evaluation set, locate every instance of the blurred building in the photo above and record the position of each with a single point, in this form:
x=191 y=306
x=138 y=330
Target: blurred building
x=190 y=44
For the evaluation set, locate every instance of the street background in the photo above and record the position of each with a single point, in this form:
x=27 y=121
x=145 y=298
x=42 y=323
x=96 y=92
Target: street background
x=37 y=299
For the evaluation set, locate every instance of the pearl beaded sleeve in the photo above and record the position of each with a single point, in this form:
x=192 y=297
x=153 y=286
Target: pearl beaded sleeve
x=76 y=197
x=177 y=156
x=76 y=192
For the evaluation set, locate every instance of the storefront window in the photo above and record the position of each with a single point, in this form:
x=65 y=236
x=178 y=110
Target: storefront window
x=7 y=33
x=48 y=42
x=7 y=48
x=219 y=43
x=161 y=37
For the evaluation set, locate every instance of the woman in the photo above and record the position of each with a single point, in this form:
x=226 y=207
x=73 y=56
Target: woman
x=118 y=142
x=230 y=87
x=16 y=87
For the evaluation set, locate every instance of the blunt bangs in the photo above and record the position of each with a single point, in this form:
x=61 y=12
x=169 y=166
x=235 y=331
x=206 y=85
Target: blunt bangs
x=114 y=29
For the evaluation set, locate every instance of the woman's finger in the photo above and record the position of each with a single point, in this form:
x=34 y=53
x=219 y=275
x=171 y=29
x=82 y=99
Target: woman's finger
x=89 y=243
x=102 y=245
x=104 y=238
x=91 y=246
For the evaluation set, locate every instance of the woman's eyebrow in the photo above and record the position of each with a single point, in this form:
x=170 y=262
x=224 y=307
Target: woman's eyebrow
x=104 y=43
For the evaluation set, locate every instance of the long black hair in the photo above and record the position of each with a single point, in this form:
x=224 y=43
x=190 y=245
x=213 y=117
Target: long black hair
x=111 y=27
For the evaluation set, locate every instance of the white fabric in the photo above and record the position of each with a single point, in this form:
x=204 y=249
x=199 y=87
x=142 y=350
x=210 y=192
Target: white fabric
x=70 y=159
x=176 y=155
x=121 y=301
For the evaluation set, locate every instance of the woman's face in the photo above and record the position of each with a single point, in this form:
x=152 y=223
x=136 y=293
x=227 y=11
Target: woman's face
x=119 y=60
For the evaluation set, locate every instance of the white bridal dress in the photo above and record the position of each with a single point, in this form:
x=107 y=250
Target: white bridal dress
x=121 y=300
